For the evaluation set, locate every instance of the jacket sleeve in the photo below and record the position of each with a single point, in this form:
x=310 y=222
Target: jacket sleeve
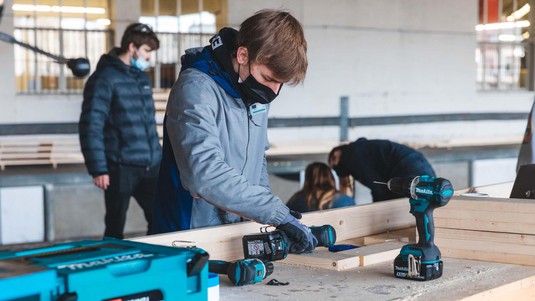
x=98 y=95
x=264 y=177
x=193 y=132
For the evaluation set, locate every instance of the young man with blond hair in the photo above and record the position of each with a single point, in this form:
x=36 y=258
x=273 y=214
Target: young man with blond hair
x=215 y=130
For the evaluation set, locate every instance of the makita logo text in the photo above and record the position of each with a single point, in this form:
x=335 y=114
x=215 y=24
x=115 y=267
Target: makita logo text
x=402 y=268
x=90 y=264
x=138 y=299
x=424 y=190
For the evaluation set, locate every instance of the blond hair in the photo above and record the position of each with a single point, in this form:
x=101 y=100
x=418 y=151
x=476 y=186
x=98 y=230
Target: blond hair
x=319 y=187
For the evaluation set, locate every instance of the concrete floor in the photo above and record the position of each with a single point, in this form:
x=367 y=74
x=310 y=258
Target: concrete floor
x=461 y=279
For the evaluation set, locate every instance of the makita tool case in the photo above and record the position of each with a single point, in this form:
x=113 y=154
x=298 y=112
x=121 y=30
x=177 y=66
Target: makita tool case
x=106 y=270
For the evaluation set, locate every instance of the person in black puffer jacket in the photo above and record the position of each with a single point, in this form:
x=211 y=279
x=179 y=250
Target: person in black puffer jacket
x=117 y=128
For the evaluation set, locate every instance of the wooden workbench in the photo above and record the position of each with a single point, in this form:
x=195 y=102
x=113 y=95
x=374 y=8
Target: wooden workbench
x=495 y=229
x=462 y=280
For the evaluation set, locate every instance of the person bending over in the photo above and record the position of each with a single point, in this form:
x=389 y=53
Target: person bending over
x=378 y=160
x=213 y=168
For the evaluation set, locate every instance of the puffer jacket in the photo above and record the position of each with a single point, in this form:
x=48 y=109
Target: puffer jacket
x=117 y=123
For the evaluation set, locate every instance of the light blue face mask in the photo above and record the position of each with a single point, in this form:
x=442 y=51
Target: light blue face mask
x=140 y=63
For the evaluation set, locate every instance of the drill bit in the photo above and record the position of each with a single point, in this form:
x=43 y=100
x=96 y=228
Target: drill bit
x=382 y=183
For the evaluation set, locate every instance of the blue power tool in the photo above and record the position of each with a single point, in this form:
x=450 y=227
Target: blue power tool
x=243 y=271
x=104 y=270
x=421 y=261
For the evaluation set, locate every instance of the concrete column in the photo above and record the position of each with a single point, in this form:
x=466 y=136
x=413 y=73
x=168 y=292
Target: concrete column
x=123 y=13
x=7 y=78
x=530 y=52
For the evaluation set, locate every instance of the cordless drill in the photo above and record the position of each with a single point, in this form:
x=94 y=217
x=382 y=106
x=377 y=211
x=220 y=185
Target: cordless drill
x=260 y=250
x=275 y=245
x=243 y=271
x=421 y=261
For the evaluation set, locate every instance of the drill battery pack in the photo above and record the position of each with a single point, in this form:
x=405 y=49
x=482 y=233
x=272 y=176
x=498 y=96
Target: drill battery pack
x=419 y=271
x=106 y=270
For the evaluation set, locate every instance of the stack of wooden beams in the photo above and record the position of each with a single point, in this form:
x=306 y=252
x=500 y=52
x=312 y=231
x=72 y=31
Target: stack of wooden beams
x=487 y=229
x=225 y=242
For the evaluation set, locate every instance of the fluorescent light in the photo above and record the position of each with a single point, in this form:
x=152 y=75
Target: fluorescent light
x=503 y=25
x=104 y=22
x=57 y=9
x=29 y=7
x=524 y=10
x=510 y=38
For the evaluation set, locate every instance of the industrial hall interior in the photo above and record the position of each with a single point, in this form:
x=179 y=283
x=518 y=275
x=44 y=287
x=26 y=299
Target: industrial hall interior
x=268 y=150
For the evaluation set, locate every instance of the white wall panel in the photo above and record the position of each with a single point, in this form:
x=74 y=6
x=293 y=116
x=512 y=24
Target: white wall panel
x=22 y=214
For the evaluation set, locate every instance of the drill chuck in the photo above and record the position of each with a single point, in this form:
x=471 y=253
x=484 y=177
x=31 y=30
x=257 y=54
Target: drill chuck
x=326 y=235
x=435 y=191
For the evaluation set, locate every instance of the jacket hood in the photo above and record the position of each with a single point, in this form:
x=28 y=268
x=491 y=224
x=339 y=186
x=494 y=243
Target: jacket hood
x=215 y=60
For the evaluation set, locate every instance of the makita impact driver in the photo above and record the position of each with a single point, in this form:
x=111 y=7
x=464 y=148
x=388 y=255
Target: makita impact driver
x=260 y=249
x=421 y=261
x=275 y=245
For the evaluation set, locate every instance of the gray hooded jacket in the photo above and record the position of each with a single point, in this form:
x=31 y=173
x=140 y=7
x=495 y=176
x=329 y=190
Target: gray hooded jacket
x=219 y=145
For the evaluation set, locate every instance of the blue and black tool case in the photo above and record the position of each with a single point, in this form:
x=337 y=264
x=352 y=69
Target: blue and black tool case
x=106 y=270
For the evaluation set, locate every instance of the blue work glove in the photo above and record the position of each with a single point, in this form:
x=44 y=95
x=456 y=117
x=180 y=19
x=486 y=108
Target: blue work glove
x=300 y=236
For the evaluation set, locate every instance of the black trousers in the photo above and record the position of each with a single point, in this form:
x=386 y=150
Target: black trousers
x=128 y=181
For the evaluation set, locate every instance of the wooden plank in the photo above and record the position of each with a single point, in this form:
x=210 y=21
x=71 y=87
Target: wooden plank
x=384 y=237
x=488 y=204
x=486 y=255
x=325 y=260
x=501 y=190
x=349 y=259
x=224 y=242
x=520 y=290
x=376 y=253
x=488 y=214
x=493 y=237
x=40 y=150
x=486 y=246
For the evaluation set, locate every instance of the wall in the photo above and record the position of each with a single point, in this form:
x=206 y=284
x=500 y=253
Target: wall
x=403 y=57
x=391 y=57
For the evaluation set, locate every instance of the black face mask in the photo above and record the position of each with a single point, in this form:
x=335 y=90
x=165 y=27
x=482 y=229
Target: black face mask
x=254 y=92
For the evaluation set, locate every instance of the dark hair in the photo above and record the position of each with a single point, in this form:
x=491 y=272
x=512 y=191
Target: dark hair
x=139 y=34
x=275 y=38
x=331 y=154
x=319 y=187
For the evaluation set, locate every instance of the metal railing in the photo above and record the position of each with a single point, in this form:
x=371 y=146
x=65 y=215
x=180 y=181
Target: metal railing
x=166 y=66
x=37 y=74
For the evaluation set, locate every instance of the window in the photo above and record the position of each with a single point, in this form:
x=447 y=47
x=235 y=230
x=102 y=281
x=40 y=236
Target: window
x=502 y=36
x=79 y=29
x=178 y=28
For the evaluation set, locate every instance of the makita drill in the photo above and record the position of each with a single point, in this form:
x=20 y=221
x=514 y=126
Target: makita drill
x=421 y=261
x=260 y=249
x=275 y=245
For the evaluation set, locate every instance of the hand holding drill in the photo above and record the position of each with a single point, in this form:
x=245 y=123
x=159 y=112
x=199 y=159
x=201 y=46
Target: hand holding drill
x=300 y=236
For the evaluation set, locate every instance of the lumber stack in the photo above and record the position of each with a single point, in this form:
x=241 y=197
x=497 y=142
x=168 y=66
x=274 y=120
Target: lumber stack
x=487 y=229
x=39 y=149
x=225 y=242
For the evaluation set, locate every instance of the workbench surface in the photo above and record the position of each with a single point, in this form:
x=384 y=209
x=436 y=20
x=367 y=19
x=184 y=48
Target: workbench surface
x=461 y=279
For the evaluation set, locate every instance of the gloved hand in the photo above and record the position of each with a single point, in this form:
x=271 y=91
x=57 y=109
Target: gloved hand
x=300 y=236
